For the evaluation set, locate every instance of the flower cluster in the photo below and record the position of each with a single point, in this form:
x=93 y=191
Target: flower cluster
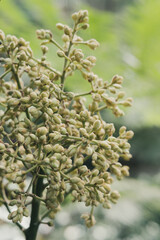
x=49 y=134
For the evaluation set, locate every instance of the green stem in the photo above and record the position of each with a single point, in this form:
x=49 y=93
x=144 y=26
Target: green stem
x=83 y=94
x=44 y=215
x=5 y=73
x=101 y=108
x=44 y=65
x=66 y=60
x=19 y=86
x=31 y=232
x=56 y=44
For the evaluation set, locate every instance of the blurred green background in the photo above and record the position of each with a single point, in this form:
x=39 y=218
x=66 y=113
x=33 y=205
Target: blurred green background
x=129 y=36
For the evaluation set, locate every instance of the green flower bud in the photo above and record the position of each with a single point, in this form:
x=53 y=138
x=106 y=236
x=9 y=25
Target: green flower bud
x=60 y=53
x=48 y=148
x=33 y=95
x=60 y=26
x=29 y=157
x=93 y=44
x=2 y=147
x=13 y=102
x=13 y=202
x=67 y=30
x=107 y=205
x=2 y=35
x=75 y=180
x=129 y=134
x=58 y=148
x=19 y=179
x=75 y=16
x=125 y=171
x=42 y=131
x=20 y=210
x=25 y=212
x=57 y=118
x=97 y=125
x=21 y=150
x=115 y=195
x=20 y=138
x=89 y=151
x=79 y=161
x=44 y=49
x=50 y=224
x=15 y=219
x=65 y=38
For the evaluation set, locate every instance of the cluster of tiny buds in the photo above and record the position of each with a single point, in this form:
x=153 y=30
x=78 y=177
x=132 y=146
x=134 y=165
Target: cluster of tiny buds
x=51 y=134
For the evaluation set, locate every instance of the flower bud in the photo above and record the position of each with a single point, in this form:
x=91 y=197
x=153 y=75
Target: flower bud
x=29 y=157
x=33 y=95
x=60 y=53
x=97 y=125
x=67 y=30
x=2 y=35
x=115 y=195
x=2 y=147
x=93 y=44
x=42 y=131
x=60 y=26
x=75 y=16
x=65 y=38
x=13 y=202
x=75 y=180
x=44 y=49
x=58 y=148
x=129 y=134
x=20 y=138
x=48 y=148
x=79 y=161
x=25 y=212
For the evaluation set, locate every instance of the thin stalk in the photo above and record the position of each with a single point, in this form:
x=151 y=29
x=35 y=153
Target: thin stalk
x=19 y=87
x=82 y=94
x=44 y=65
x=66 y=60
x=5 y=73
x=101 y=108
x=56 y=44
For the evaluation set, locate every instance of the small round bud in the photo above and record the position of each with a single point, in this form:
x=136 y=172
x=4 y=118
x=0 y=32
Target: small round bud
x=2 y=147
x=75 y=16
x=60 y=26
x=48 y=148
x=60 y=53
x=42 y=131
x=29 y=157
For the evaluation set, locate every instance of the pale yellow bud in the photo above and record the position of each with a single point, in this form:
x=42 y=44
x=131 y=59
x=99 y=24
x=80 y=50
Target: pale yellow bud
x=58 y=148
x=29 y=157
x=60 y=53
x=60 y=26
x=48 y=148
x=2 y=147
x=42 y=131
x=97 y=125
